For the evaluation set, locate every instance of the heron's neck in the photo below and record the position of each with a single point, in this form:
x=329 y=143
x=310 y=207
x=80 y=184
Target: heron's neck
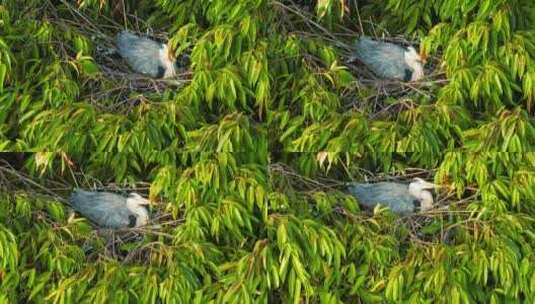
x=167 y=63
x=425 y=197
x=142 y=215
x=417 y=68
x=418 y=72
x=426 y=201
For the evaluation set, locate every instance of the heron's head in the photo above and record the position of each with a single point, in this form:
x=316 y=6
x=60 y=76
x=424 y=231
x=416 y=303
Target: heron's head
x=422 y=184
x=416 y=62
x=136 y=199
x=412 y=55
x=419 y=188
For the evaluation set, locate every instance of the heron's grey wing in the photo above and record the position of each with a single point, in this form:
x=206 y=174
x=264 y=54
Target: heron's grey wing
x=386 y=60
x=142 y=54
x=105 y=209
x=392 y=195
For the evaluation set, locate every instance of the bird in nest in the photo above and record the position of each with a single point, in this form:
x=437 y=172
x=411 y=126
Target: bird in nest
x=110 y=210
x=146 y=56
x=402 y=199
x=388 y=60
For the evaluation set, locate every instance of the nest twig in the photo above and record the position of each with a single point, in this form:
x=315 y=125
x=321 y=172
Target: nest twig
x=301 y=182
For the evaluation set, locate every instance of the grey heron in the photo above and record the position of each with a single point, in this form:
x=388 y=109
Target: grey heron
x=388 y=60
x=401 y=198
x=146 y=56
x=110 y=210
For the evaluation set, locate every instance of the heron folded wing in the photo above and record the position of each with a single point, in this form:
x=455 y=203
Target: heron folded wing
x=392 y=195
x=391 y=63
x=118 y=218
x=386 y=60
x=105 y=209
x=142 y=54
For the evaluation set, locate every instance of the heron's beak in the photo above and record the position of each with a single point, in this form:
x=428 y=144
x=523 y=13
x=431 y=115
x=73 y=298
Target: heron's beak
x=428 y=185
x=170 y=54
x=140 y=200
x=145 y=202
x=423 y=57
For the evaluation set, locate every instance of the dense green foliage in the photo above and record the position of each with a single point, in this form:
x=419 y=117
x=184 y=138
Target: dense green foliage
x=244 y=157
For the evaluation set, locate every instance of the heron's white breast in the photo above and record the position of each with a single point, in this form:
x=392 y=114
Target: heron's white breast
x=166 y=62
x=142 y=215
x=426 y=200
x=413 y=60
x=425 y=197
